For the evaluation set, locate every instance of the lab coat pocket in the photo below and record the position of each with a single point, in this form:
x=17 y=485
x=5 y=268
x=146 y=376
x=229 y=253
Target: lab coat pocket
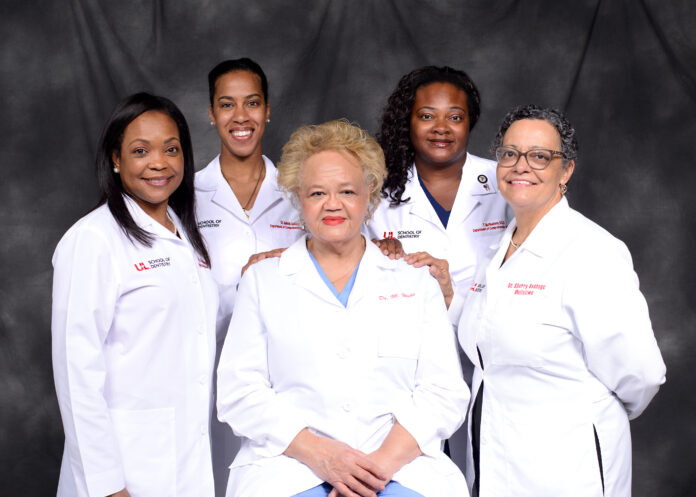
x=147 y=442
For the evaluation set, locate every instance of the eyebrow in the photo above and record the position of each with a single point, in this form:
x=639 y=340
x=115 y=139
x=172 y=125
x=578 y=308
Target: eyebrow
x=170 y=139
x=225 y=97
x=452 y=107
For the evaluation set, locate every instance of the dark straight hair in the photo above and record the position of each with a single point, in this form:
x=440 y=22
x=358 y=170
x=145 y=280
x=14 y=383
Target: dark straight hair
x=243 y=64
x=182 y=201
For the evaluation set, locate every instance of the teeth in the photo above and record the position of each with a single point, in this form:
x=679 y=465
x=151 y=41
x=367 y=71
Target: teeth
x=241 y=134
x=519 y=182
x=157 y=181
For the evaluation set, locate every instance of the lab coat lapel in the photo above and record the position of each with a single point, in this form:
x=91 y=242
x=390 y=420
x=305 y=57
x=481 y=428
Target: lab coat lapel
x=420 y=205
x=144 y=221
x=474 y=184
x=295 y=262
x=368 y=280
x=269 y=192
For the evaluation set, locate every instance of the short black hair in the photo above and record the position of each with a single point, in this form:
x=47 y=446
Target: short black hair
x=243 y=64
x=556 y=118
x=111 y=189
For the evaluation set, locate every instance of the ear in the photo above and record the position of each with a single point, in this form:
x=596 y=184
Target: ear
x=268 y=112
x=211 y=116
x=116 y=159
x=568 y=172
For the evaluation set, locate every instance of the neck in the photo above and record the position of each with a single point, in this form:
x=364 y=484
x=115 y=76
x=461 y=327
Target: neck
x=527 y=220
x=347 y=253
x=158 y=213
x=241 y=168
x=432 y=174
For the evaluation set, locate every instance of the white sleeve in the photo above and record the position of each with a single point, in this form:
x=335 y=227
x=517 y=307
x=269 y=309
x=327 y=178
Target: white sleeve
x=440 y=397
x=85 y=289
x=245 y=397
x=611 y=319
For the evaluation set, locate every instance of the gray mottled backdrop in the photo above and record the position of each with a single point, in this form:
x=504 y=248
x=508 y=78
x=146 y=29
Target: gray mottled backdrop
x=624 y=70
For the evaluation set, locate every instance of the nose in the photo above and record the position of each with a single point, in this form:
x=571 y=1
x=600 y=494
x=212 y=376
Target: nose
x=522 y=165
x=240 y=115
x=332 y=202
x=441 y=125
x=158 y=160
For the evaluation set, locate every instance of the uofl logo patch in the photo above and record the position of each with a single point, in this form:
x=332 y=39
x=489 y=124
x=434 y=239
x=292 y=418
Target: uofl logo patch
x=153 y=264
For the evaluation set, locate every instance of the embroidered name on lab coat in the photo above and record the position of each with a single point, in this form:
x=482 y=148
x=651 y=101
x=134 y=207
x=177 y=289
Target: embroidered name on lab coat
x=397 y=296
x=494 y=226
x=287 y=225
x=477 y=287
x=526 y=288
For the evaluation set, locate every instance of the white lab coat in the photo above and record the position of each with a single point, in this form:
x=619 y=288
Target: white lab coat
x=133 y=352
x=231 y=238
x=567 y=348
x=294 y=357
x=478 y=217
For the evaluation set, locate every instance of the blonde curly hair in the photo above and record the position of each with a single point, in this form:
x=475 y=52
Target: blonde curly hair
x=340 y=135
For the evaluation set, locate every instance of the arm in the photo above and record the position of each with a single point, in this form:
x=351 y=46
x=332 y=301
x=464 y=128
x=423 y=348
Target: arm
x=440 y=397
x=84 y=299
x=348 y=470
x=246 y=398
x=610 y=317
x=439 y=269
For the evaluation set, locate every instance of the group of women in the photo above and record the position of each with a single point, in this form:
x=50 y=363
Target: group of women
x=363 y=261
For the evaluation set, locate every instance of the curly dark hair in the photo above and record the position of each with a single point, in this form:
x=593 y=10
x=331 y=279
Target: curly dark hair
x=395 y=128
x=569 y=143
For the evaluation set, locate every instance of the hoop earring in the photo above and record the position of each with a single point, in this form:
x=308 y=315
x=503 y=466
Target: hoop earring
x=564 y=188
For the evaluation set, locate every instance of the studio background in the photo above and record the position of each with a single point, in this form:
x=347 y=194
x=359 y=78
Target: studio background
x=623 y=70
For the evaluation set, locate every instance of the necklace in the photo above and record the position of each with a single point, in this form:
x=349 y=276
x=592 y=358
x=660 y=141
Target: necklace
x=516 y=245
x=245 y=207
x=176 y=231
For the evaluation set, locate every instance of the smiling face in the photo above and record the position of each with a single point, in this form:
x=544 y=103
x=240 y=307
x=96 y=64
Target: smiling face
x=529 y=191
x=239 y=112
x=440 y=125
x=334 y=197
x=150 y=161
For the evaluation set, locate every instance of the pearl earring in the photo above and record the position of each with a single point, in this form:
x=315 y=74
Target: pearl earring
x=116 y=170
x=268 y=120
x=212 y=123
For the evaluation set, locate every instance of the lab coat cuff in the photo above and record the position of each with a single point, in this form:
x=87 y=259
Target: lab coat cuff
x=455 y=309
x=408 y=417
x=285 y=431
x=105 y=482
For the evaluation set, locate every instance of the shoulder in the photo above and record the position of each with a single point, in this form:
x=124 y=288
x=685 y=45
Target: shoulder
x=205 y=179
x=589 y=241
x=97 y=229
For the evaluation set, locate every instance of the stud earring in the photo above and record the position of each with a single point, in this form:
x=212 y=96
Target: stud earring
x=212 y=123
x=564 y=188
x=268 y=120
x=116 y=170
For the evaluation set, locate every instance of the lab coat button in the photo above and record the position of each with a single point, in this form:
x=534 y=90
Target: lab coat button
x=342 y=354
x=194 y=279
x=204 y=429
x=199 y=330
x=202 y=379
x=347 y=407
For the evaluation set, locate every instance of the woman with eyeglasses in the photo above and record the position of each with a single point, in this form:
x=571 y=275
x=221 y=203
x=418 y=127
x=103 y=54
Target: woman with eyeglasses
x=558 y=331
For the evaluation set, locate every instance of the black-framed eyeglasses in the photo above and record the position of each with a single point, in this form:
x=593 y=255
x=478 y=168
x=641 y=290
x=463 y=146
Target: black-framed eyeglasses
x=537 y=158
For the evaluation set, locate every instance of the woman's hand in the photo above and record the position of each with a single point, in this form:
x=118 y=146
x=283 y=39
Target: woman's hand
x=351 y=472
x=439 y=269
x=391 y=247
x=261 y=256
x=120 y=493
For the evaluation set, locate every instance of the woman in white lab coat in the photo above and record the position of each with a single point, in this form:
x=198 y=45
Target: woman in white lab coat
x=133 y=320
x=440 y=201
x=240 y=209
x=340 y=369
x=558 y=331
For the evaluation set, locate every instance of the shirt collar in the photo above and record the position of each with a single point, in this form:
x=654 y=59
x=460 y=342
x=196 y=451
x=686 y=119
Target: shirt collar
x=147 y=223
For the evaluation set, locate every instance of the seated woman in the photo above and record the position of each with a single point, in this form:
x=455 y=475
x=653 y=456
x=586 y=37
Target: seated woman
x=558 y=331
x=339 y=370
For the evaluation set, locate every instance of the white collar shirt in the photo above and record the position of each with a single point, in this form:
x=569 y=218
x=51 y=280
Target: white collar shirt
x=567 y=348
x=133 y=331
